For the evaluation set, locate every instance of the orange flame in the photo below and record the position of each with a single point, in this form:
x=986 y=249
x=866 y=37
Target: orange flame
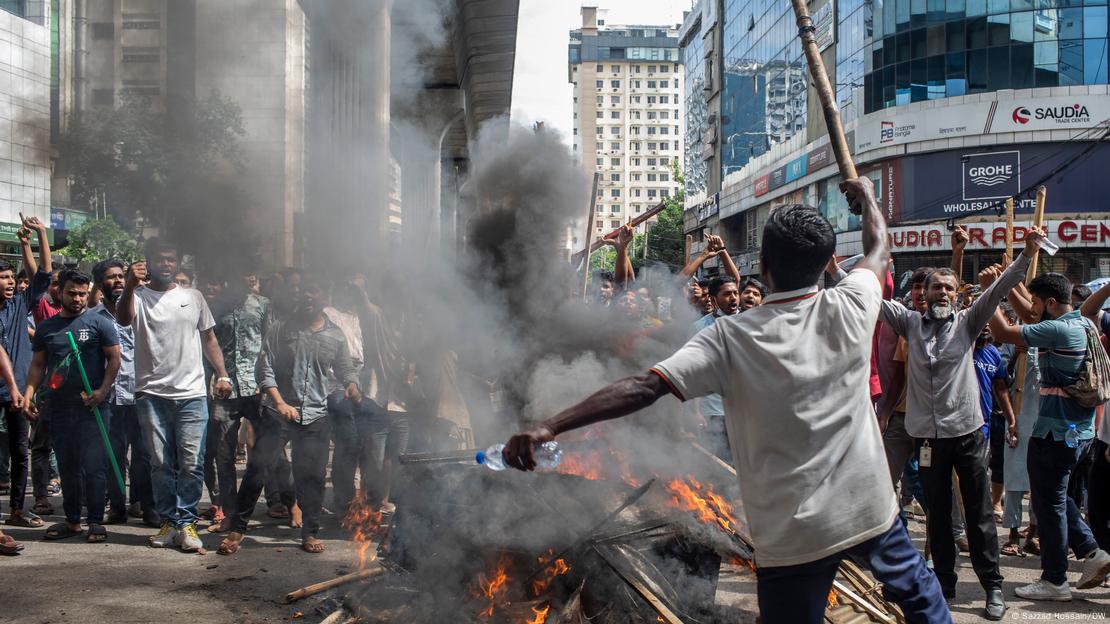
x=832 y=599
x=365 y=524
x=540 y=615
x=557 y=568
x=493 y=587
x=706 y=505
x=586 y=464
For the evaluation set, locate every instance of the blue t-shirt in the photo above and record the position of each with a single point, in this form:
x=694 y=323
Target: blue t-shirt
x=988 y=367
x=92 y=332
x=1063 y=350
x=709 y=405
x=14 y=318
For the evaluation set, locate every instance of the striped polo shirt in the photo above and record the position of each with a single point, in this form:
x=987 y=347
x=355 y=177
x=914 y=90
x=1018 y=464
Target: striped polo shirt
x=1063 y=349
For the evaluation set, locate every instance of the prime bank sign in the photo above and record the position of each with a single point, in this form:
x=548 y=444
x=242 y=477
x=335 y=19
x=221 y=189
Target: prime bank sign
x=992 y=175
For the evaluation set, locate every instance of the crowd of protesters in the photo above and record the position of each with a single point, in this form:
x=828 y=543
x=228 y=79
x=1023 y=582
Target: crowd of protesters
x=185 y=383
x=964 y=404
x=970 y=397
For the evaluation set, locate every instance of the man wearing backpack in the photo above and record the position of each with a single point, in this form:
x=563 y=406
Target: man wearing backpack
x=1064 y=352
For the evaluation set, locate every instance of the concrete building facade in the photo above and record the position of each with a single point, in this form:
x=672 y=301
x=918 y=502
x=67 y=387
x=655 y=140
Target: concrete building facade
x=628 y=114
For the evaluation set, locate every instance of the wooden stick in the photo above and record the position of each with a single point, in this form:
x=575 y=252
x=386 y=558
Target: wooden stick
x=1010 y=228
x=589 y=237
x=312 y=590
x=843 y=591
x=825 y=92
x=656 y=603
x=716 y=460
x=1038 y=221
x=636 y=221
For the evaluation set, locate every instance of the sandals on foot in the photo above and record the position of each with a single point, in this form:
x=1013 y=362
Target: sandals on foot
x=1033 y=546
x=44 y=509
x=8 y=545
x=1012 y=549
x=314 y=548
x=229 y=547
x=96 y=534
x=26 y=520
x=60 y=531
x=279 y=512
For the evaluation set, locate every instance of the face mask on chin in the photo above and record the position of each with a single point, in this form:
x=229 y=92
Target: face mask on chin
x=940 y=311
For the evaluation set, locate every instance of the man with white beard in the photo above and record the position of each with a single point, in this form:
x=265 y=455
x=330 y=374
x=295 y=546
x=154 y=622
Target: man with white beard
x=944 y=417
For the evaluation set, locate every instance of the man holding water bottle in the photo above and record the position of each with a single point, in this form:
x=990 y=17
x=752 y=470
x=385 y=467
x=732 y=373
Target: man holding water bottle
x=794 y=377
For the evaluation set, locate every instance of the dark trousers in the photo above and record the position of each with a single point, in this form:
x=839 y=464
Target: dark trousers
x=42 y=468
x=310 y=457
x=82 y=459
x=126 y=434
x=352 y=431
x=967 y=455
x=1058 y=520
x=1077 y=484
x=799 y=594
x=18 y=450
x=1098 y=501
x=224 y=417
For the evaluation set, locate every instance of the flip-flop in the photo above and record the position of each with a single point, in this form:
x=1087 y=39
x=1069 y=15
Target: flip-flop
x=228 y=547
x=26 y=520
x=8 y=546
x=1013 y=549
x=59 y=531
x=313 y=548
x=45 y=509
x=278 y=512
x=96 y=534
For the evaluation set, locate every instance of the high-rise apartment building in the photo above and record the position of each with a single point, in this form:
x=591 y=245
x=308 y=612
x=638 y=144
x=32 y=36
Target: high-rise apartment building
x=627 y=114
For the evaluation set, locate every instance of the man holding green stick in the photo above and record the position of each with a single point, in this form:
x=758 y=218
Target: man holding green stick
x=56 y=383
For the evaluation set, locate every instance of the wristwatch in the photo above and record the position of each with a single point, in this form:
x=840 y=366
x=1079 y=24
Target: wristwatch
x=227 y=379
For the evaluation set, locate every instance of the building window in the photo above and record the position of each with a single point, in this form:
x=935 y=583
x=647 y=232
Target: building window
x=664 y=68
x=664 y=130
x=635 y=99
x=664 y=99
x=635 y=177
x=600 y=224
x=615 y=162
x=651 y=99
x=664 y=193
x=615 y=115
x=616 y=84
x=635 y=69
x=635 y=84
x=142 y=21
x=600 y=162
x=616 y=130
x=651 y=69
x=663 y=84
x=600 y=68
x=664 y=177
x=600 y=114
x=664 y=115
x=635 y=192
x=652 y=146
x=614 y=208
x=616 y=68
x=652 y=192
x=614 y=99
x=651 y=162
x=615 y=177
x=615 y=146
x=614 y=192
x=600 y=84
x=600 y=131
x=652 y=177
x=636 y=163
x=664 y=161
x=615 y=223
x=651 y=84
x=601 y=100
x=652 y=129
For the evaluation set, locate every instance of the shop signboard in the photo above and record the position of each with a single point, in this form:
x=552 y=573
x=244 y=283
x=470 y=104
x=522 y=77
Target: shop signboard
x=978 y=118
x=956 y=184
x=1067 y=233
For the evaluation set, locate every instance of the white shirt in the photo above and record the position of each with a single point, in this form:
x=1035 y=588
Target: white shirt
x=168 y=360
x=794 y=374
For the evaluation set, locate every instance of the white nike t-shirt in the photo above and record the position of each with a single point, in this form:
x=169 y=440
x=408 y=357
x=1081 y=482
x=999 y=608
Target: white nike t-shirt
x=167 y=347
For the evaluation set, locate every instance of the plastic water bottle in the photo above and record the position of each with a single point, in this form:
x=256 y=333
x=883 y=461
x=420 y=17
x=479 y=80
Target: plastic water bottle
x=547 y=456
x=1071 y=438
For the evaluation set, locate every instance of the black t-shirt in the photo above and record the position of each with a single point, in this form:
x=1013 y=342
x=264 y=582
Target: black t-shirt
x=93 y=332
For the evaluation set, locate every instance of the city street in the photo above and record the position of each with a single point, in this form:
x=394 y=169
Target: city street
x=137 y=584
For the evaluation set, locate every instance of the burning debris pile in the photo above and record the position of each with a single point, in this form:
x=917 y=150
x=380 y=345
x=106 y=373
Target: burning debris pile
x=591 y=543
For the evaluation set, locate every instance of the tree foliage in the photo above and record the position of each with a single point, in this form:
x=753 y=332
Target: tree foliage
x=138 y=158
x=99 y=239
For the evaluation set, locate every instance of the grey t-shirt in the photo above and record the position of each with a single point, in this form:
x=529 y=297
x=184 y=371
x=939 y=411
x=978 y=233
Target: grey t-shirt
x=794 y=375
x=168 y=360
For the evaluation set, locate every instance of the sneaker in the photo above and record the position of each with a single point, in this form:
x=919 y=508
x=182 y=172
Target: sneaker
x=188 y=539
x=1095 y=568
x=166 y=537
x=1043 y=590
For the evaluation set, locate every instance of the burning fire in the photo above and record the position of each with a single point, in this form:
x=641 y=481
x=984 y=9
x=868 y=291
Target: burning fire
x=540 y=614
x=586 y=464
x=365 y=524
x=706 y=505
x=558 y=568
x=832 y=599
x=493 y=587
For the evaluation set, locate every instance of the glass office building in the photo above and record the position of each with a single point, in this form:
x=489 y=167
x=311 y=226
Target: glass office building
x=932 y=49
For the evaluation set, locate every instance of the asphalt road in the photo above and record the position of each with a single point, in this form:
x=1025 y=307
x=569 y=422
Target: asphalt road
x=124 y=581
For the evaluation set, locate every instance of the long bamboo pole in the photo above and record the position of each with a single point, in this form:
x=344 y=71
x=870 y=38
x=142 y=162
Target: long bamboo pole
x=1020 y=373
x=316 y=588
x=1010 y=228
x=825 y=93
x=589 y=247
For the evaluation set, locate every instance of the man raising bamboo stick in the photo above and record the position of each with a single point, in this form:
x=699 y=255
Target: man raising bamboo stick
x=793 y=374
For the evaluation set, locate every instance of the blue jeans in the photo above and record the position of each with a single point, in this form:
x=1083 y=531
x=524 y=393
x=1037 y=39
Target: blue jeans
x=799 y=594
x=175 y=432
x=82 y=459
x=1058 y=520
